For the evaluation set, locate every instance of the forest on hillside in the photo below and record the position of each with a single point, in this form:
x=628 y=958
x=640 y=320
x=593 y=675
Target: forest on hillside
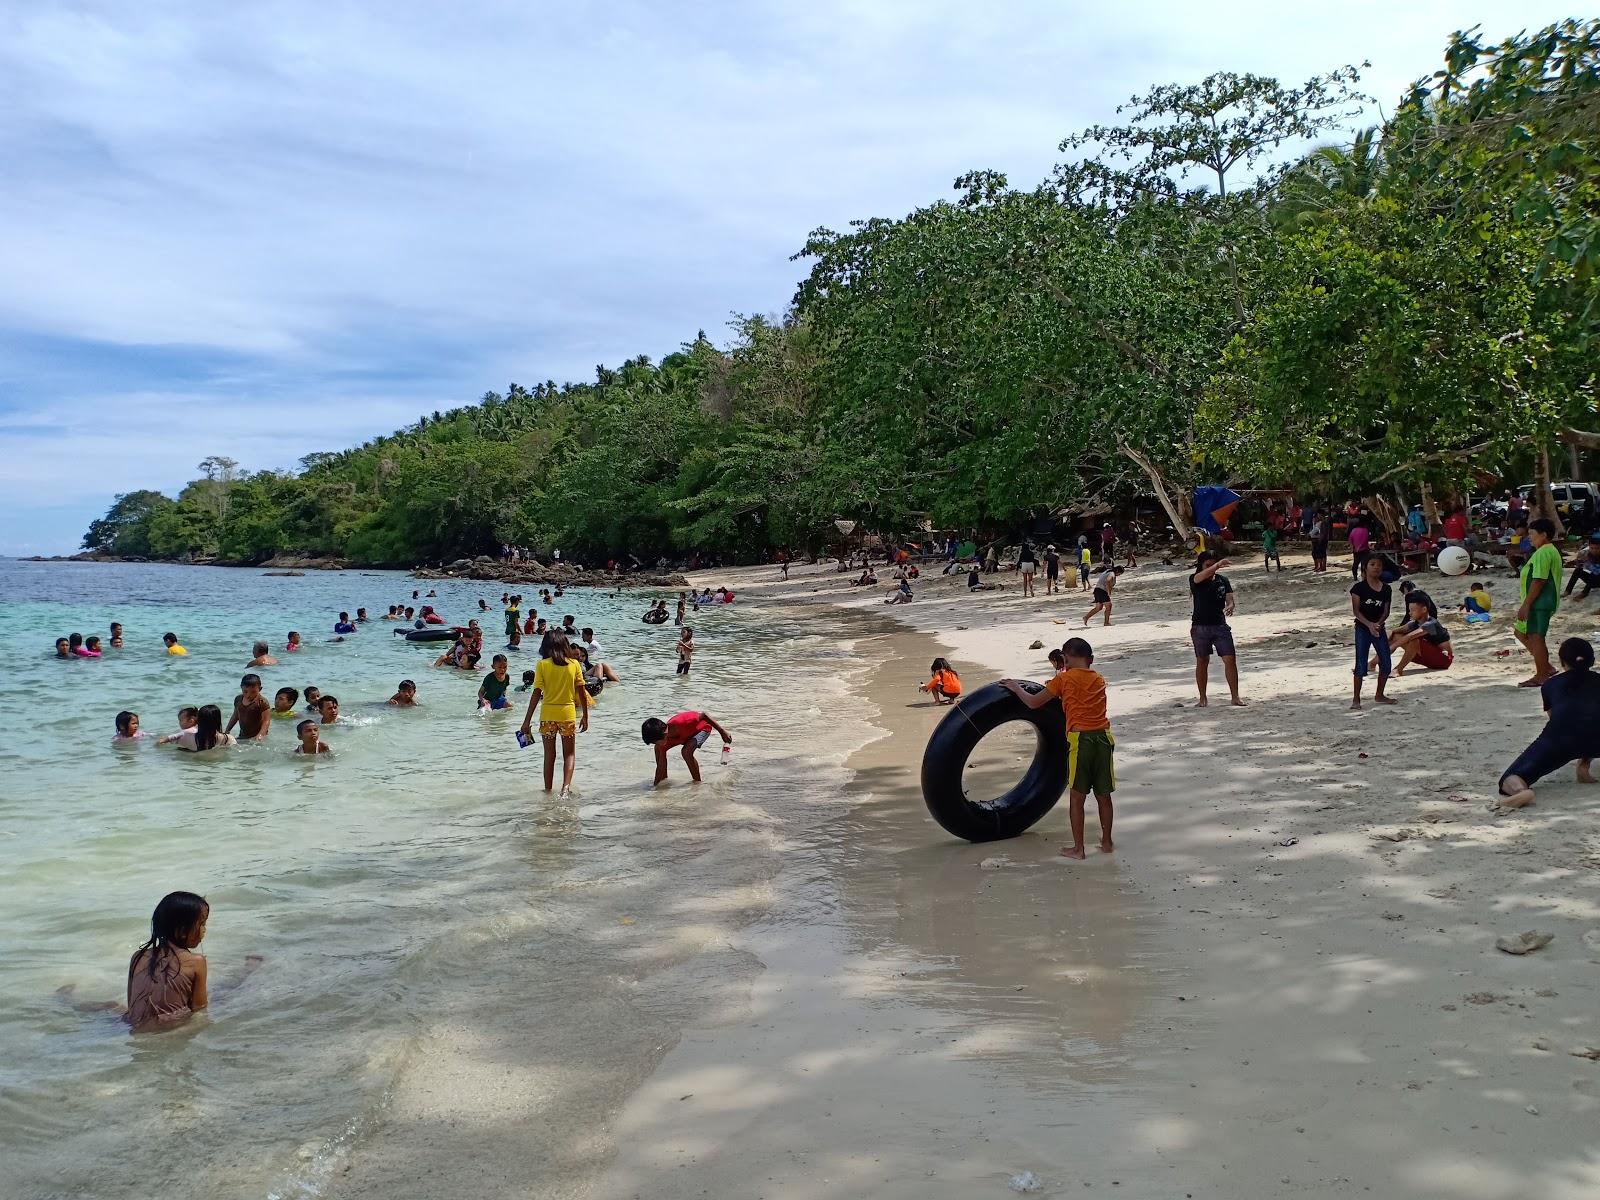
x=1182 y=301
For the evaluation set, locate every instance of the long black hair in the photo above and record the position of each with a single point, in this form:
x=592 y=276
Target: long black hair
x=176 y=915
x=1576 y=654
x=207 y=725
x=942 y=664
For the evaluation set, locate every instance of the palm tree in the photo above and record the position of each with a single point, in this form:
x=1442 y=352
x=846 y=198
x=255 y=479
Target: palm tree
x=1327 y=178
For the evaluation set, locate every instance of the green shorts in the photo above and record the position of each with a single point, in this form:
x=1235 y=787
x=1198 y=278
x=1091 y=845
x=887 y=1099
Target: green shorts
x=1538 y=622
x=1089 y=765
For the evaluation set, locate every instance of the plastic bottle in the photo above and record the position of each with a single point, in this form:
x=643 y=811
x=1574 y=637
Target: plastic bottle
x=727 y=752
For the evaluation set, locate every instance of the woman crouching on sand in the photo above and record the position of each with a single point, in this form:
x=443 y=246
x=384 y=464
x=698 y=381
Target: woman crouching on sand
x=1572 y=698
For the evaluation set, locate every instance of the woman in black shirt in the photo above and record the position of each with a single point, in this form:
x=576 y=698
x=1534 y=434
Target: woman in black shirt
x=1572 y=699
x=1370 y=597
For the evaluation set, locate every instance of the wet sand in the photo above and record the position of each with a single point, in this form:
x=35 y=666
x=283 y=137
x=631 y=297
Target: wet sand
x=1307 y=901
x=1282 y=983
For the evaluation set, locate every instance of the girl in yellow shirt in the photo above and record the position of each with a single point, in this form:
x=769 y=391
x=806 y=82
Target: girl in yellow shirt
x=558 y=688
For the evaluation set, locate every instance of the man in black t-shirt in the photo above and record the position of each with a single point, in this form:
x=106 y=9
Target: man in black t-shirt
x=1208 y=630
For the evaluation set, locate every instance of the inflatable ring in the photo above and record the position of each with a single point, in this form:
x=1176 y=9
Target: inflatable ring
x=430 y=633
x=944 y=765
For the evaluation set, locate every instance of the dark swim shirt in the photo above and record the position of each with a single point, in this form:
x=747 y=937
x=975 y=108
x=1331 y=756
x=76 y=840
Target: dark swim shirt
x=1573 y=700
x=495 y=688
x=1374 y=601
x=1210 y=598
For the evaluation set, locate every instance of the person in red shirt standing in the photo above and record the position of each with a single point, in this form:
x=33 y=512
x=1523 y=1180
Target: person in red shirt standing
x=688 y=730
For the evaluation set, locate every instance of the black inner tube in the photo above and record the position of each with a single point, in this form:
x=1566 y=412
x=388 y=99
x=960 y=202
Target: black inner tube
x=944 y=765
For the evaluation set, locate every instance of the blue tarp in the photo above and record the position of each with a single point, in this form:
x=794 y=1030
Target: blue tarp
x=1213 y=505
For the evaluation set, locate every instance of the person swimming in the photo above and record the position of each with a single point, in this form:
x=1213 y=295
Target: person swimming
x=405 y=695
x=311 y=739
x=128 y=728
x=116 y=635
x=293 y=643
x=313 y=695
x=283 y=702
x=170 y=640
x=344 y=625
x=63 y=648
x=261 y=656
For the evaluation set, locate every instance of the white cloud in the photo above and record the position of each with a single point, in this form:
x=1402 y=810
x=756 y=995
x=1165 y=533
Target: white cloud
x=485 y=191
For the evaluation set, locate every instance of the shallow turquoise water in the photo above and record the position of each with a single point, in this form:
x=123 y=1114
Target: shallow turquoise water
x=360 y=878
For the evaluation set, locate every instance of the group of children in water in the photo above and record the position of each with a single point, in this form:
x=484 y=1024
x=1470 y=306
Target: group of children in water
x=166 y=976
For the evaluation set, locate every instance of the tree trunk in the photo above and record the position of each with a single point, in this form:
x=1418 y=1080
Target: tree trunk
x=1430 y=509
x=1577 y=467
x=1546 y=503
x=1158 y=484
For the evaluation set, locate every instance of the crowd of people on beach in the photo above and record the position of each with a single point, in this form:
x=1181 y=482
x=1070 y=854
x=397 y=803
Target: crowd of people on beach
x=166 y=977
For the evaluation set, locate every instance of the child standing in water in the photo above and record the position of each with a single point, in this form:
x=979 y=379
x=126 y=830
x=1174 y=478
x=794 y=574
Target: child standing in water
x=313 y=695
x=685 y=650
x=250 y=711
x=563 y=705
x=687 y=731
x=1082 y=693
x=116 y=635
x=170 y=640
x=945 y=684
x=283 y=703
x=293 y=643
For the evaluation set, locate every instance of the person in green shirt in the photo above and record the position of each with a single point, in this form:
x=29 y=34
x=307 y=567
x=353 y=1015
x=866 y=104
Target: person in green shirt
x=1540 y=585
x=492 y=694
x=1269 y=547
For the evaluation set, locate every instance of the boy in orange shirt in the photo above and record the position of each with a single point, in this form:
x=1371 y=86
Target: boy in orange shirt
x=1082 y=692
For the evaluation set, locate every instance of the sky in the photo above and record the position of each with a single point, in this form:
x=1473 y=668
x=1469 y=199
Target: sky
x=264 y=230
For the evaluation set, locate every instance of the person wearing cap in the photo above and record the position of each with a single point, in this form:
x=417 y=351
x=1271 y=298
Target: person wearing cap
x=1587 y=569
x=1052 y=569
x=1422 y=638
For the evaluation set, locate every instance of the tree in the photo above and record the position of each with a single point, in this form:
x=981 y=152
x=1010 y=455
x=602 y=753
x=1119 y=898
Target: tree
x=125 y=529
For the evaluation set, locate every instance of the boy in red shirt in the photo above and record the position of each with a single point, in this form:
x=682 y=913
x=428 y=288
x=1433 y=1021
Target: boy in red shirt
x=688 y=730
x=1082 y=693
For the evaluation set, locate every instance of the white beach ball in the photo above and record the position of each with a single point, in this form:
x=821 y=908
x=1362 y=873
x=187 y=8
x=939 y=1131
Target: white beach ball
x=1453 y=560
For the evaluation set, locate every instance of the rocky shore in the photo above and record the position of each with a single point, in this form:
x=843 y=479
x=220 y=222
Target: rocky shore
x=555 y=574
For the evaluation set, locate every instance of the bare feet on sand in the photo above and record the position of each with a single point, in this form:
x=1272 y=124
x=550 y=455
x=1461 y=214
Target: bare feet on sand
x=1073 y=852
x=1384 y=700
x=1517 y=799
x=1584 y=775
x=1106 y=846
x=1202 y=703
x=1237 y=703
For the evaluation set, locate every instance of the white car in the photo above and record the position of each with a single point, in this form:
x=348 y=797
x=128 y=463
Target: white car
x=1569 y=495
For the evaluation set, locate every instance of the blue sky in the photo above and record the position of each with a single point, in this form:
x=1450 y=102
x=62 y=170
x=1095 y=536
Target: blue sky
x=262 y=230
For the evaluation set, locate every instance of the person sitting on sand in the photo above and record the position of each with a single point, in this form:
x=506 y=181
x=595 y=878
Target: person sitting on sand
x=975 y=581
x=1586 y=570
x=1081 y=691
x=1572 y=732
x=944 y=685
x=1422 y=638
x=311 y=742
x=405 y=696
x=1478 y=603
x=687 y=731
x=262 y=656
x=865 y=579
x=901 y=594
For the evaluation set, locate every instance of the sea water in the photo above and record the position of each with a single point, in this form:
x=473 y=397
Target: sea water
x=377 y=883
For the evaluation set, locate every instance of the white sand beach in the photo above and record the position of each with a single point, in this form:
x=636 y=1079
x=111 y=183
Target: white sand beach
x=1283 y=982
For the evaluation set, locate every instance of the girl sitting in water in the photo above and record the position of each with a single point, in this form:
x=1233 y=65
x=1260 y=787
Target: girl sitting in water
x=128 y=728
x=945 y=685
x=166 y=978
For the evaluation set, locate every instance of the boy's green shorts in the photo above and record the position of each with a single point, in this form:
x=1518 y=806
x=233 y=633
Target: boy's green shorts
x=1089 y=762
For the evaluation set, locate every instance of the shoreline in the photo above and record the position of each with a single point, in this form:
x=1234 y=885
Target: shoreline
x=1283 y=980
